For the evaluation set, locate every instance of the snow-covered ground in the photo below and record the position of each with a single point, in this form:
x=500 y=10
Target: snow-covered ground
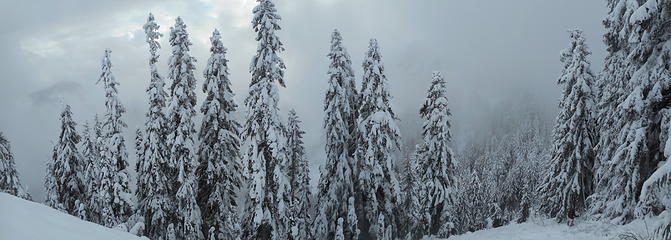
x=25 y=220
x=550 y=230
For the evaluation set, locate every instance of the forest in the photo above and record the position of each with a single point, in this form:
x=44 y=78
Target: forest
x=215 y=169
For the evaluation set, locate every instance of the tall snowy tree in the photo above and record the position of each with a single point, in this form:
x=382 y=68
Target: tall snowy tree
x=65 y=188
x=219 y=171
x=91 y=156
x=263 y=133
x=299 y=179
x=569 y=180
x=181 y=111
x=636 y=150
x=379 y=138
x=9 y=177
x=412 y=226
x=114 y=190
x=651 y=47
x=154 y=186
x=435 y=160
x=613 y=191
x=336 y=184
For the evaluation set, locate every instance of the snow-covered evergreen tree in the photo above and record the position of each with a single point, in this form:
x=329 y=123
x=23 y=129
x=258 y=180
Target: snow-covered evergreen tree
x=263 y=133
x=569 y=180
x=412 y=225
x=336 y=184
x=114 y=189
x=181 y=139
x=379 y=137
x=9 y=177
x=91 y=158
x=156 y=201
x=64 y=184
x=640 y=35
x=219 y=171
x=435 y=160
x=299 y=179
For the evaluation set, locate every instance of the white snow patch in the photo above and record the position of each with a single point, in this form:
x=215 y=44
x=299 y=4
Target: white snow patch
x=548 y=229
x=22 y=219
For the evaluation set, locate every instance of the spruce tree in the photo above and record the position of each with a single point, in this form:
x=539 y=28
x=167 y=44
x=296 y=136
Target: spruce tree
x=219 y=170
x=636 y=149
x=9 y=177
x=263 y=133
x=569 y=181
x=651 y=47
x=412 y=226
x=91 y=156
x=155 y=192
x=65 y=188
x=181 y=139
x=337 y=176
x=114 y=189
x=336 y=181
x=435 y=160
x=299 y=179
x=378 y=138
x=610 y=199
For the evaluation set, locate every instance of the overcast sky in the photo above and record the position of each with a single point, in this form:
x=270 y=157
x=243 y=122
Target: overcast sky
x=494 y=55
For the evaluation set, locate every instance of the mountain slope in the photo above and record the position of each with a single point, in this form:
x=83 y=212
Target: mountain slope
x=21 y=219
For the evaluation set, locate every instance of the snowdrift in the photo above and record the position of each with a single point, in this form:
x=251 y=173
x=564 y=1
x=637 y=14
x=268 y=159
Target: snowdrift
x=25 y=220
x=548 y=229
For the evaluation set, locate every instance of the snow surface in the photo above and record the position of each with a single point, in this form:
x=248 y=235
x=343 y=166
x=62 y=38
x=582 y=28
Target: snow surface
x=548 y=229
x=21 y=219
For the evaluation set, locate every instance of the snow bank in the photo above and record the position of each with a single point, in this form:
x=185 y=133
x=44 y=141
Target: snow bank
x=21 y=219
x=548 y=229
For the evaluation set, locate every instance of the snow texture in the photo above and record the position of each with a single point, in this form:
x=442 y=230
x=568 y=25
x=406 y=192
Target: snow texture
x=22 y=219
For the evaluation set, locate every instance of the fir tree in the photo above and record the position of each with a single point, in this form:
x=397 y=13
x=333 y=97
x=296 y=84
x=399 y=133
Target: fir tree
x=435 y=160
x=299 y=179
x=412 y=225
x=91 y=156
x=263 y=133
x=115 y=193
x=337 y=175
x=65 y=188
x=613 y=120
x=637 y=148
x=219 y=170
x=154 y=189
x=569 y=181
x=181 y=111
x=378 y=138
x=9 y=177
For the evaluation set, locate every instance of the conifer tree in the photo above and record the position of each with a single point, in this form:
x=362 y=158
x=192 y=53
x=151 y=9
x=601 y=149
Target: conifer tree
x=569 y=181
x=65 y=188
x=640 y=34
x=412 y=225
x=378 y=138
x=9 y=177
x=435 y=160
x=299 y=179
x=91 y=158
x=650 y=40
x=181 y=111
x=613 y=118
x=263 y=133
x=337 y=176
x=219 y=170
x=154 y=189
x=114 y=190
